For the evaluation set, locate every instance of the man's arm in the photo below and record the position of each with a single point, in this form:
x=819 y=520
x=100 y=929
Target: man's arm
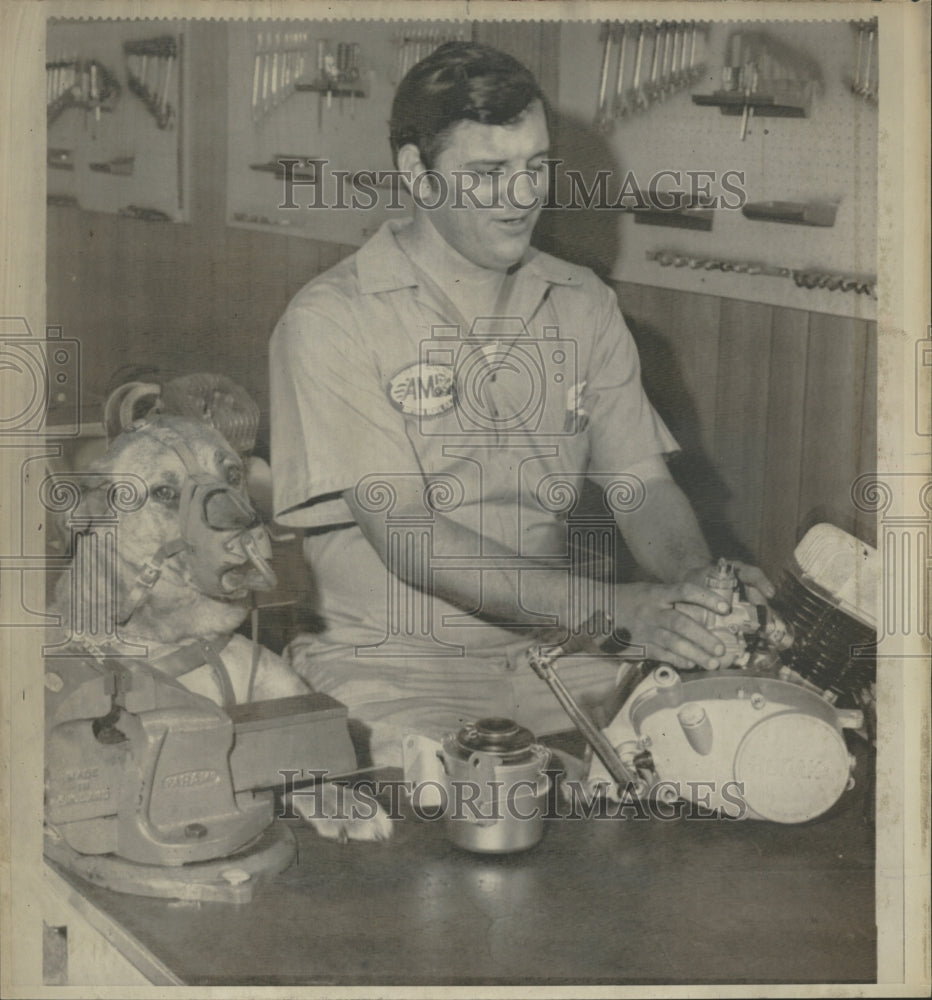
x=663 y=533
x=645 y=611
x=666 y=540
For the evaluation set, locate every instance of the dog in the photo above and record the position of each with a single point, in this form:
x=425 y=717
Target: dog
x=190 y=550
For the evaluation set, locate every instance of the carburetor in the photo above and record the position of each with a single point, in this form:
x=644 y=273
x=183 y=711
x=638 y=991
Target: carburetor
x=742 y=619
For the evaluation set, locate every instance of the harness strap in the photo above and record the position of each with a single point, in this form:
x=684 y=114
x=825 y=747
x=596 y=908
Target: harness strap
x=197 y=654
x=149 y=574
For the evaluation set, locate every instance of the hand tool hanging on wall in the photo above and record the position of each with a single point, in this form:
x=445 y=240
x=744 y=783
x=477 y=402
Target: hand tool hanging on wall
x=638 y=96
x=865 y=78
x=620 y=105
x=149 y=72
x=602 y=119
x=652 y=85
x=803 y=277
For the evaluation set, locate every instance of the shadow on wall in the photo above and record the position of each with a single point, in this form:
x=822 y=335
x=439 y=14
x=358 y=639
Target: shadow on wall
x=590 y=237
x=691 y=467
x=583 y=236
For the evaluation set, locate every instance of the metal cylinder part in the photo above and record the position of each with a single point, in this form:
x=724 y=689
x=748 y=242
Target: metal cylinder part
x=497 y=787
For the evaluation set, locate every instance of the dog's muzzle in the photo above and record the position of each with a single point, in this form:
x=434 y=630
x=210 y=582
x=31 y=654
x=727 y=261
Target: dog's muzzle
x=229 y=545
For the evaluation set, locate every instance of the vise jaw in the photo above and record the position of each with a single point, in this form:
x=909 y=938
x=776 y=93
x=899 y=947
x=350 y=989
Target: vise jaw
x=139 y=767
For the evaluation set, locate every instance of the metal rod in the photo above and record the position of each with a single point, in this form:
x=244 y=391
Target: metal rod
x=541 y=663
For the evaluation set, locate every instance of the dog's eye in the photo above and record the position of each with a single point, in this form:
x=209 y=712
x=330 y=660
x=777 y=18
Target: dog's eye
x=165 y=494
x=234 y=475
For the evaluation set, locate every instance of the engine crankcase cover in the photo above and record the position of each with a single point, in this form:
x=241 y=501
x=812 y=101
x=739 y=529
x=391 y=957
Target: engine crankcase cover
x=748 y=745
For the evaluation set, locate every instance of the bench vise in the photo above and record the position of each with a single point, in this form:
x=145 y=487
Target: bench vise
x=155 y=790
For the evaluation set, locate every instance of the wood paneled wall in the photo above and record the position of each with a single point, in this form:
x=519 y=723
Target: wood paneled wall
x=774 y=408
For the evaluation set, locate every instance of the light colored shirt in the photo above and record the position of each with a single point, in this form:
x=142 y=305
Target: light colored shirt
x=375 y=374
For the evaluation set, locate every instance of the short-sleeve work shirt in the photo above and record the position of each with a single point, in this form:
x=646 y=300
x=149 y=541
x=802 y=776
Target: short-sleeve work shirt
x=375 y=374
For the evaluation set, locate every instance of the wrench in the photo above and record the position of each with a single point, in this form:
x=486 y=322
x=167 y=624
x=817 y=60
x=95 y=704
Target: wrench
x=637 y=91
x=620 y=107
x=673 y=83
x=867 y=88
x=689 y=69
x=601 y=114
x=655 y=56
x=856 y=86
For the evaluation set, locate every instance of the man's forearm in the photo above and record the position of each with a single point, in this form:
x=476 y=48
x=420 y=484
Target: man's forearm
x=663 y=533
x=516 y=591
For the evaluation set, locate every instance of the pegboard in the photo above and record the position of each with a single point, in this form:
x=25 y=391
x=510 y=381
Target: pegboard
x=830 y=155
x=347 y=127
x=129 y=157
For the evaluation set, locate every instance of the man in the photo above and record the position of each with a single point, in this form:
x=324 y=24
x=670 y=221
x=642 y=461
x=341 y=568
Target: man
x=431 y=397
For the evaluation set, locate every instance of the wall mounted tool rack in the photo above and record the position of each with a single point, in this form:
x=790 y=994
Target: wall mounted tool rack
x=281 y=60
x=79 y=83
x=127 y=151
x=150 y=63
x=647 y=62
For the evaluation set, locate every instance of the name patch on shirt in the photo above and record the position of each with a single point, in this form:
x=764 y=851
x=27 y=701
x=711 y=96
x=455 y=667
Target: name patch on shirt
x=422 y=390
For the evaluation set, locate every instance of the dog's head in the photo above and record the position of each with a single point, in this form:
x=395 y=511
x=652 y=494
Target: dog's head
x=191 y=547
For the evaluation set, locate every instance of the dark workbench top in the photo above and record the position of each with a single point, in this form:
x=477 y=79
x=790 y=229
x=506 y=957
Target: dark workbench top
x=601 y=901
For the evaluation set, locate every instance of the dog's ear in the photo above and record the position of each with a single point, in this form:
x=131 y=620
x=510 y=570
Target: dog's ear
x=129 y=404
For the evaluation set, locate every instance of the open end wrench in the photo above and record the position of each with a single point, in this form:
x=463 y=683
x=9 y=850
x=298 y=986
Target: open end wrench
x=856 y=86
x=637 y=92
x=669 y=81
x=680 y=76
x=868 y=90
x=620 y=107
x=601 y=115
x=692 y=71
x=654 y=63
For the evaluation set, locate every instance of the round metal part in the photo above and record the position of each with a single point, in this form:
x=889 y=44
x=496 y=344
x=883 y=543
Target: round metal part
x=502 y=737
x=497 y=788
x=792 y=766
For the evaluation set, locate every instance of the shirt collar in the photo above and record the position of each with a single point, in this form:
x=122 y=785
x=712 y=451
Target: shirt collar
x=382 y=266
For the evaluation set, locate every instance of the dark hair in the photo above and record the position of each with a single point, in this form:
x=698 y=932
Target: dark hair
x=459 y=81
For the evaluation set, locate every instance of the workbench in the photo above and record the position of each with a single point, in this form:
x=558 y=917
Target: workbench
x=597 y=901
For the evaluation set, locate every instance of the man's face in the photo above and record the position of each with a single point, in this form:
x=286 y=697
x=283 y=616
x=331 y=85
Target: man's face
x=495 y=181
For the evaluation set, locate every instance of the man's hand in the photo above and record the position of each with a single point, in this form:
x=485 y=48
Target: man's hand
x=646 y=612
x=758 y=588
